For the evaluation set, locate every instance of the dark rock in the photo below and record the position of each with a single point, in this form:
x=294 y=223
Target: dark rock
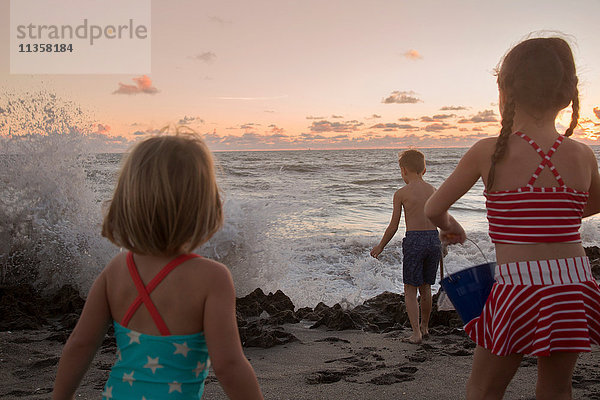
x=283 y=317
x=21 y=307
x=339 y=320
x=383 y=313
x=278 y=302
x=240 y=318
x=321 y=308
x=593 y=253
x=260 y=334
x=256 y=302
x=66 y=301
x=307 y=313
x=249 y=305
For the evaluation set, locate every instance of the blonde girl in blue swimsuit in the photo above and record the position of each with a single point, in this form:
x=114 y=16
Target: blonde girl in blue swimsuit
x=173 y=311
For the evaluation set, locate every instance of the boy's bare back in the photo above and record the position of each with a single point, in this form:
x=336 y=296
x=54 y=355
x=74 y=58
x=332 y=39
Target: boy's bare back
x=412 y=198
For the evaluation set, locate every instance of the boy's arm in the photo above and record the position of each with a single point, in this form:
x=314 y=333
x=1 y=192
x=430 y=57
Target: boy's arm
x=80 y=349
x=392 y=227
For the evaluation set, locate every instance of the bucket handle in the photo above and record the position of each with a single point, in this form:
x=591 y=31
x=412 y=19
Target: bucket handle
x=478 y=248
x=442 y=258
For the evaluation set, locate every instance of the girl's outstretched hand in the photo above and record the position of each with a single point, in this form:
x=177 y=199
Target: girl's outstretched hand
x=454 y=234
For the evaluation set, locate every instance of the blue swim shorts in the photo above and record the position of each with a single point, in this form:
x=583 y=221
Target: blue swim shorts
x=422 y=251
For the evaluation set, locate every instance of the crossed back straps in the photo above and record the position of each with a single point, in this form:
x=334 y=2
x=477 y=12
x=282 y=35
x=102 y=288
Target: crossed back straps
x=144 y=291
x=545 y=159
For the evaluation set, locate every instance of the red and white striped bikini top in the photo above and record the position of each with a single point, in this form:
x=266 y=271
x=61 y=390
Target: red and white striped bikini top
x=536 y=214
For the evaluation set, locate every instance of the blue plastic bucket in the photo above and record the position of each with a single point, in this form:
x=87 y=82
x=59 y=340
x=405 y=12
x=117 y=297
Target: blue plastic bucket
x=469 y=289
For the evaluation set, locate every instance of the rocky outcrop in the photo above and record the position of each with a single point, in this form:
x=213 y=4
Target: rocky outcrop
x=593 y=253
x=23 y=307
x=260 y=316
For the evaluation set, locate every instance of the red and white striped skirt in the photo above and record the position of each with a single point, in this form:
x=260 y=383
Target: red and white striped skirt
x=539 y=307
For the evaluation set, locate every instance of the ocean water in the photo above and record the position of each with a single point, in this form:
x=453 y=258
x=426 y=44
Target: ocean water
x=300 y=221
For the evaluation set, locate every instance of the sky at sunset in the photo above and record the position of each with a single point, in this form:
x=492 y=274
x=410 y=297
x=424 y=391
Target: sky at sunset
x=282 y=74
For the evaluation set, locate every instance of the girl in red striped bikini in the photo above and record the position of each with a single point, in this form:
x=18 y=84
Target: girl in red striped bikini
x=539 y=184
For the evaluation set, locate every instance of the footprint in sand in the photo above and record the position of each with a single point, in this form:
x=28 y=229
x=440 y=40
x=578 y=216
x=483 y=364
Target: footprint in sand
x=392 y=377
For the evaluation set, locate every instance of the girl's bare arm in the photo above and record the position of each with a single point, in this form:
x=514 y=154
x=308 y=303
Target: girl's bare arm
x=222 y=337
x=465 y=175
x=81 y=347
x=593 y=205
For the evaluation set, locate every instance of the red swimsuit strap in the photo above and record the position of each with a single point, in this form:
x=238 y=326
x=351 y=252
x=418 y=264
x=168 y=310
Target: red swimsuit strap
x=545 y=158
x=144 y=291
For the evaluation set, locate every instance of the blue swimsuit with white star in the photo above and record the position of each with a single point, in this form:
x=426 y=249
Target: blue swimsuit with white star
x=157 y=367
x=150 y=367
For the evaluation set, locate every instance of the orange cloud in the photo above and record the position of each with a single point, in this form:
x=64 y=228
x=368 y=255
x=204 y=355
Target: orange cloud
x=413 y=54
x=275 y=130
x=597 y=112
x=143 y=84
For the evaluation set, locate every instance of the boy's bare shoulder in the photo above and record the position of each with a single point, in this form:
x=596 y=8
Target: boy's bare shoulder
x=401 y=193
x=430 y=185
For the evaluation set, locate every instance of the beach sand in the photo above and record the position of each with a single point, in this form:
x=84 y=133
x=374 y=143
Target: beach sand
x=321 y=353
x=322 y=364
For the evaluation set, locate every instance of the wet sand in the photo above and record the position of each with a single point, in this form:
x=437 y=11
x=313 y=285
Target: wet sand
x=322 y=364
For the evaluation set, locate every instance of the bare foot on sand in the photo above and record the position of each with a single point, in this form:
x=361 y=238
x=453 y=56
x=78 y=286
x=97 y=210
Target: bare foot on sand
x=413 y=339
x=424 y=333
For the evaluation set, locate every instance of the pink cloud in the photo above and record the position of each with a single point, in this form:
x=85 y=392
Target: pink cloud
x=102 y=129
x=143 y=84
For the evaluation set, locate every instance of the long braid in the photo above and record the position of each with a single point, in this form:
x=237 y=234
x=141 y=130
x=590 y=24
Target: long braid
x=508 y=115
x=575 y=115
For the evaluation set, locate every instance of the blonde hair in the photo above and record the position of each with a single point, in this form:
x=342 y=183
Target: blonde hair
x=413 y=160
x=166 y=200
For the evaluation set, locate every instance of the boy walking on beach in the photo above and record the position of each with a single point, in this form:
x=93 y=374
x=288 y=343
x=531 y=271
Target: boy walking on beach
x=421 y=247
